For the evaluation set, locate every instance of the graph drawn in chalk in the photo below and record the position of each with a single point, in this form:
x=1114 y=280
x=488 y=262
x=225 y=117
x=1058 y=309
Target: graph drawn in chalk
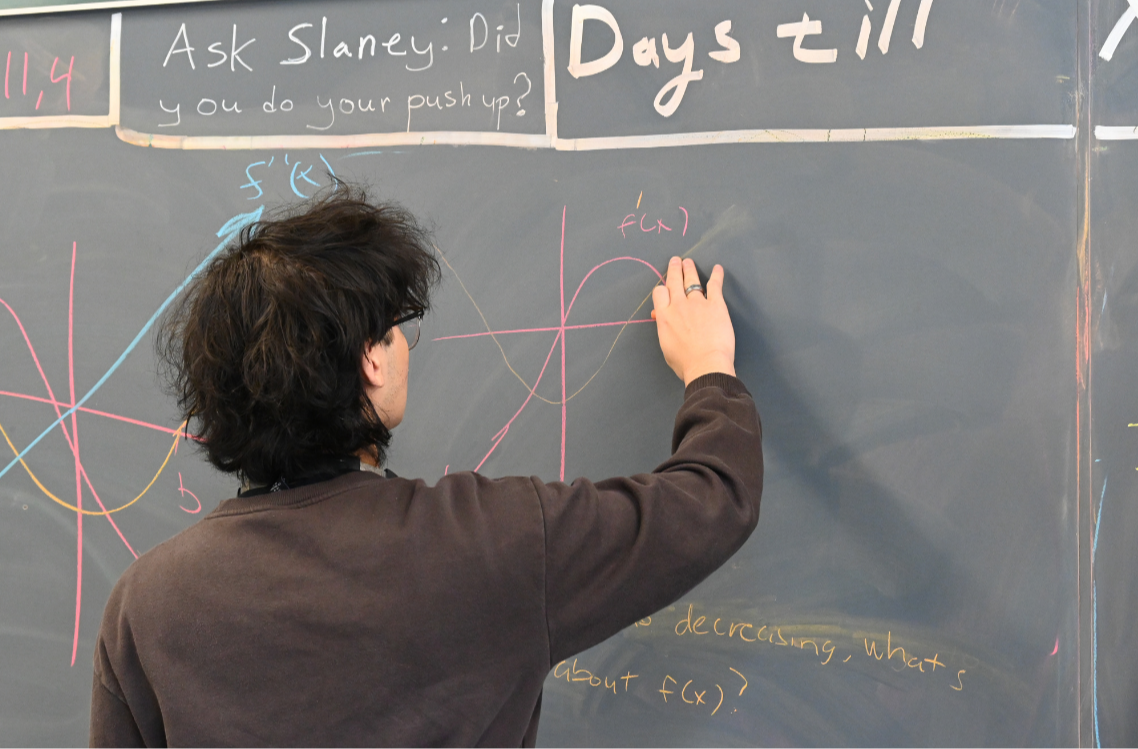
x=66 y=410
x=559 y=335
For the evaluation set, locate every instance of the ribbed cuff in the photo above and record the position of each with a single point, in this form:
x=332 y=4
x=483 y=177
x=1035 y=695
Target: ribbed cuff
x=730 y=385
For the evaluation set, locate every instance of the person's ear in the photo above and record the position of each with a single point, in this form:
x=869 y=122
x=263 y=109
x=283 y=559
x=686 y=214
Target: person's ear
x=373 y=365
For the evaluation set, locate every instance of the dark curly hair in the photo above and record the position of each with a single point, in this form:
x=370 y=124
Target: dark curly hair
x=263 y=351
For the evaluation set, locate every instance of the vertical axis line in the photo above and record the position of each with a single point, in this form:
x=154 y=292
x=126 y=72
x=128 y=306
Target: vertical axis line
x=78 y=463
x=564 y=402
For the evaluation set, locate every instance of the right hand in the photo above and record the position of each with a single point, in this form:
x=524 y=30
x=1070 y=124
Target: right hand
x=695 y=331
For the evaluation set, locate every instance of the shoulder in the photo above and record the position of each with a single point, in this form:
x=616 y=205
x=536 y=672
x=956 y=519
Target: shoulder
x=153 y=568
x=363 y=489
x=504 y=511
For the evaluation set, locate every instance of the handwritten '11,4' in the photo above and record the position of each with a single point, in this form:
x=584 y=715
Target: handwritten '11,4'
x=21 y=78
x=645 y=51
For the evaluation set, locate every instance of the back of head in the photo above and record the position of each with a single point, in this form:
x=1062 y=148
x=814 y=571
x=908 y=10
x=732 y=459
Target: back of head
x=263 y=351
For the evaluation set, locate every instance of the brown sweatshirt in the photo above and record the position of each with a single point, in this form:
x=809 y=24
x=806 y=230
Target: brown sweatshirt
x=382 y=611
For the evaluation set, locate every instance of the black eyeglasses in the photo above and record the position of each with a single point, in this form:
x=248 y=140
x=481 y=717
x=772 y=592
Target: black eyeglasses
x=409 y=326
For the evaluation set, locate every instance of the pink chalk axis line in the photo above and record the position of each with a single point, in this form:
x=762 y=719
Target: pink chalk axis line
x=559 y=339
x=94 y=412
x=75 y=449
x=539 y=330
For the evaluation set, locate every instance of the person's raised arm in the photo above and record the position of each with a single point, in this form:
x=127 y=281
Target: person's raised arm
x=621 y=549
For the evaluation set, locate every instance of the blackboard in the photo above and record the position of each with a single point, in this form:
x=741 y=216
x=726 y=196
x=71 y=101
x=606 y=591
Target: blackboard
x=926 y=241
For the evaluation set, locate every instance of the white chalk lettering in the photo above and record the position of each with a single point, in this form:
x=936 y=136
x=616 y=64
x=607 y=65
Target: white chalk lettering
x=428 y=51
x=177 y=110
x=485 y=32
x=270 y=106
x=678 y=85
x=331 y=109
x=187 y=49
x=730 y=52
x=582 y=13
x=307 y=51
x=391 y=43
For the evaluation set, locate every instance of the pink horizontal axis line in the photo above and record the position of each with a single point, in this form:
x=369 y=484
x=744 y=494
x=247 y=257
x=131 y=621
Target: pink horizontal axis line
x=92 y=411
x=538 y=330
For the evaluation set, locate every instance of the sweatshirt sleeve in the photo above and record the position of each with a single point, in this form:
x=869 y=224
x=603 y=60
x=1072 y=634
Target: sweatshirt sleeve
x=125 y=711
x=621 y=549
x=112 y=723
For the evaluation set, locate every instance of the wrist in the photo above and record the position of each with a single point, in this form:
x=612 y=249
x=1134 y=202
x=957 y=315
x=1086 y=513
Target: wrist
x=710 y=365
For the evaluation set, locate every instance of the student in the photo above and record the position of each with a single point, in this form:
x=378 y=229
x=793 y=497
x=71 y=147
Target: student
x=330 y=603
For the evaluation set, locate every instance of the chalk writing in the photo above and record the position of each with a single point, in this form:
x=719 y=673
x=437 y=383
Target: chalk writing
x=299 y=173
x=691 y=693
x=644 y=53
x=19 y=69
x=310 y=41
x=696 y=692
x=184 y=491
x=574 y=675
x=213 y=74
x=655 y=224
x=799 y=30
x=472 y=103
x=382 y=111
x=829 y=646
x=233 y=56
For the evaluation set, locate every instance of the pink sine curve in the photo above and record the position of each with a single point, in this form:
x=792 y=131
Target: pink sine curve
x=1056 y=650
x=601 y=265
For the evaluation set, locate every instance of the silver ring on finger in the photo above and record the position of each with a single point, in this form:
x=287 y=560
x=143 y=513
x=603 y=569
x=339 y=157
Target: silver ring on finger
x=693 y=287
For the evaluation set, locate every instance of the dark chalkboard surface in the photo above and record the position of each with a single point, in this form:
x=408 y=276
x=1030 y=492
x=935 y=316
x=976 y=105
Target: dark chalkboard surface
x=924 y=292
